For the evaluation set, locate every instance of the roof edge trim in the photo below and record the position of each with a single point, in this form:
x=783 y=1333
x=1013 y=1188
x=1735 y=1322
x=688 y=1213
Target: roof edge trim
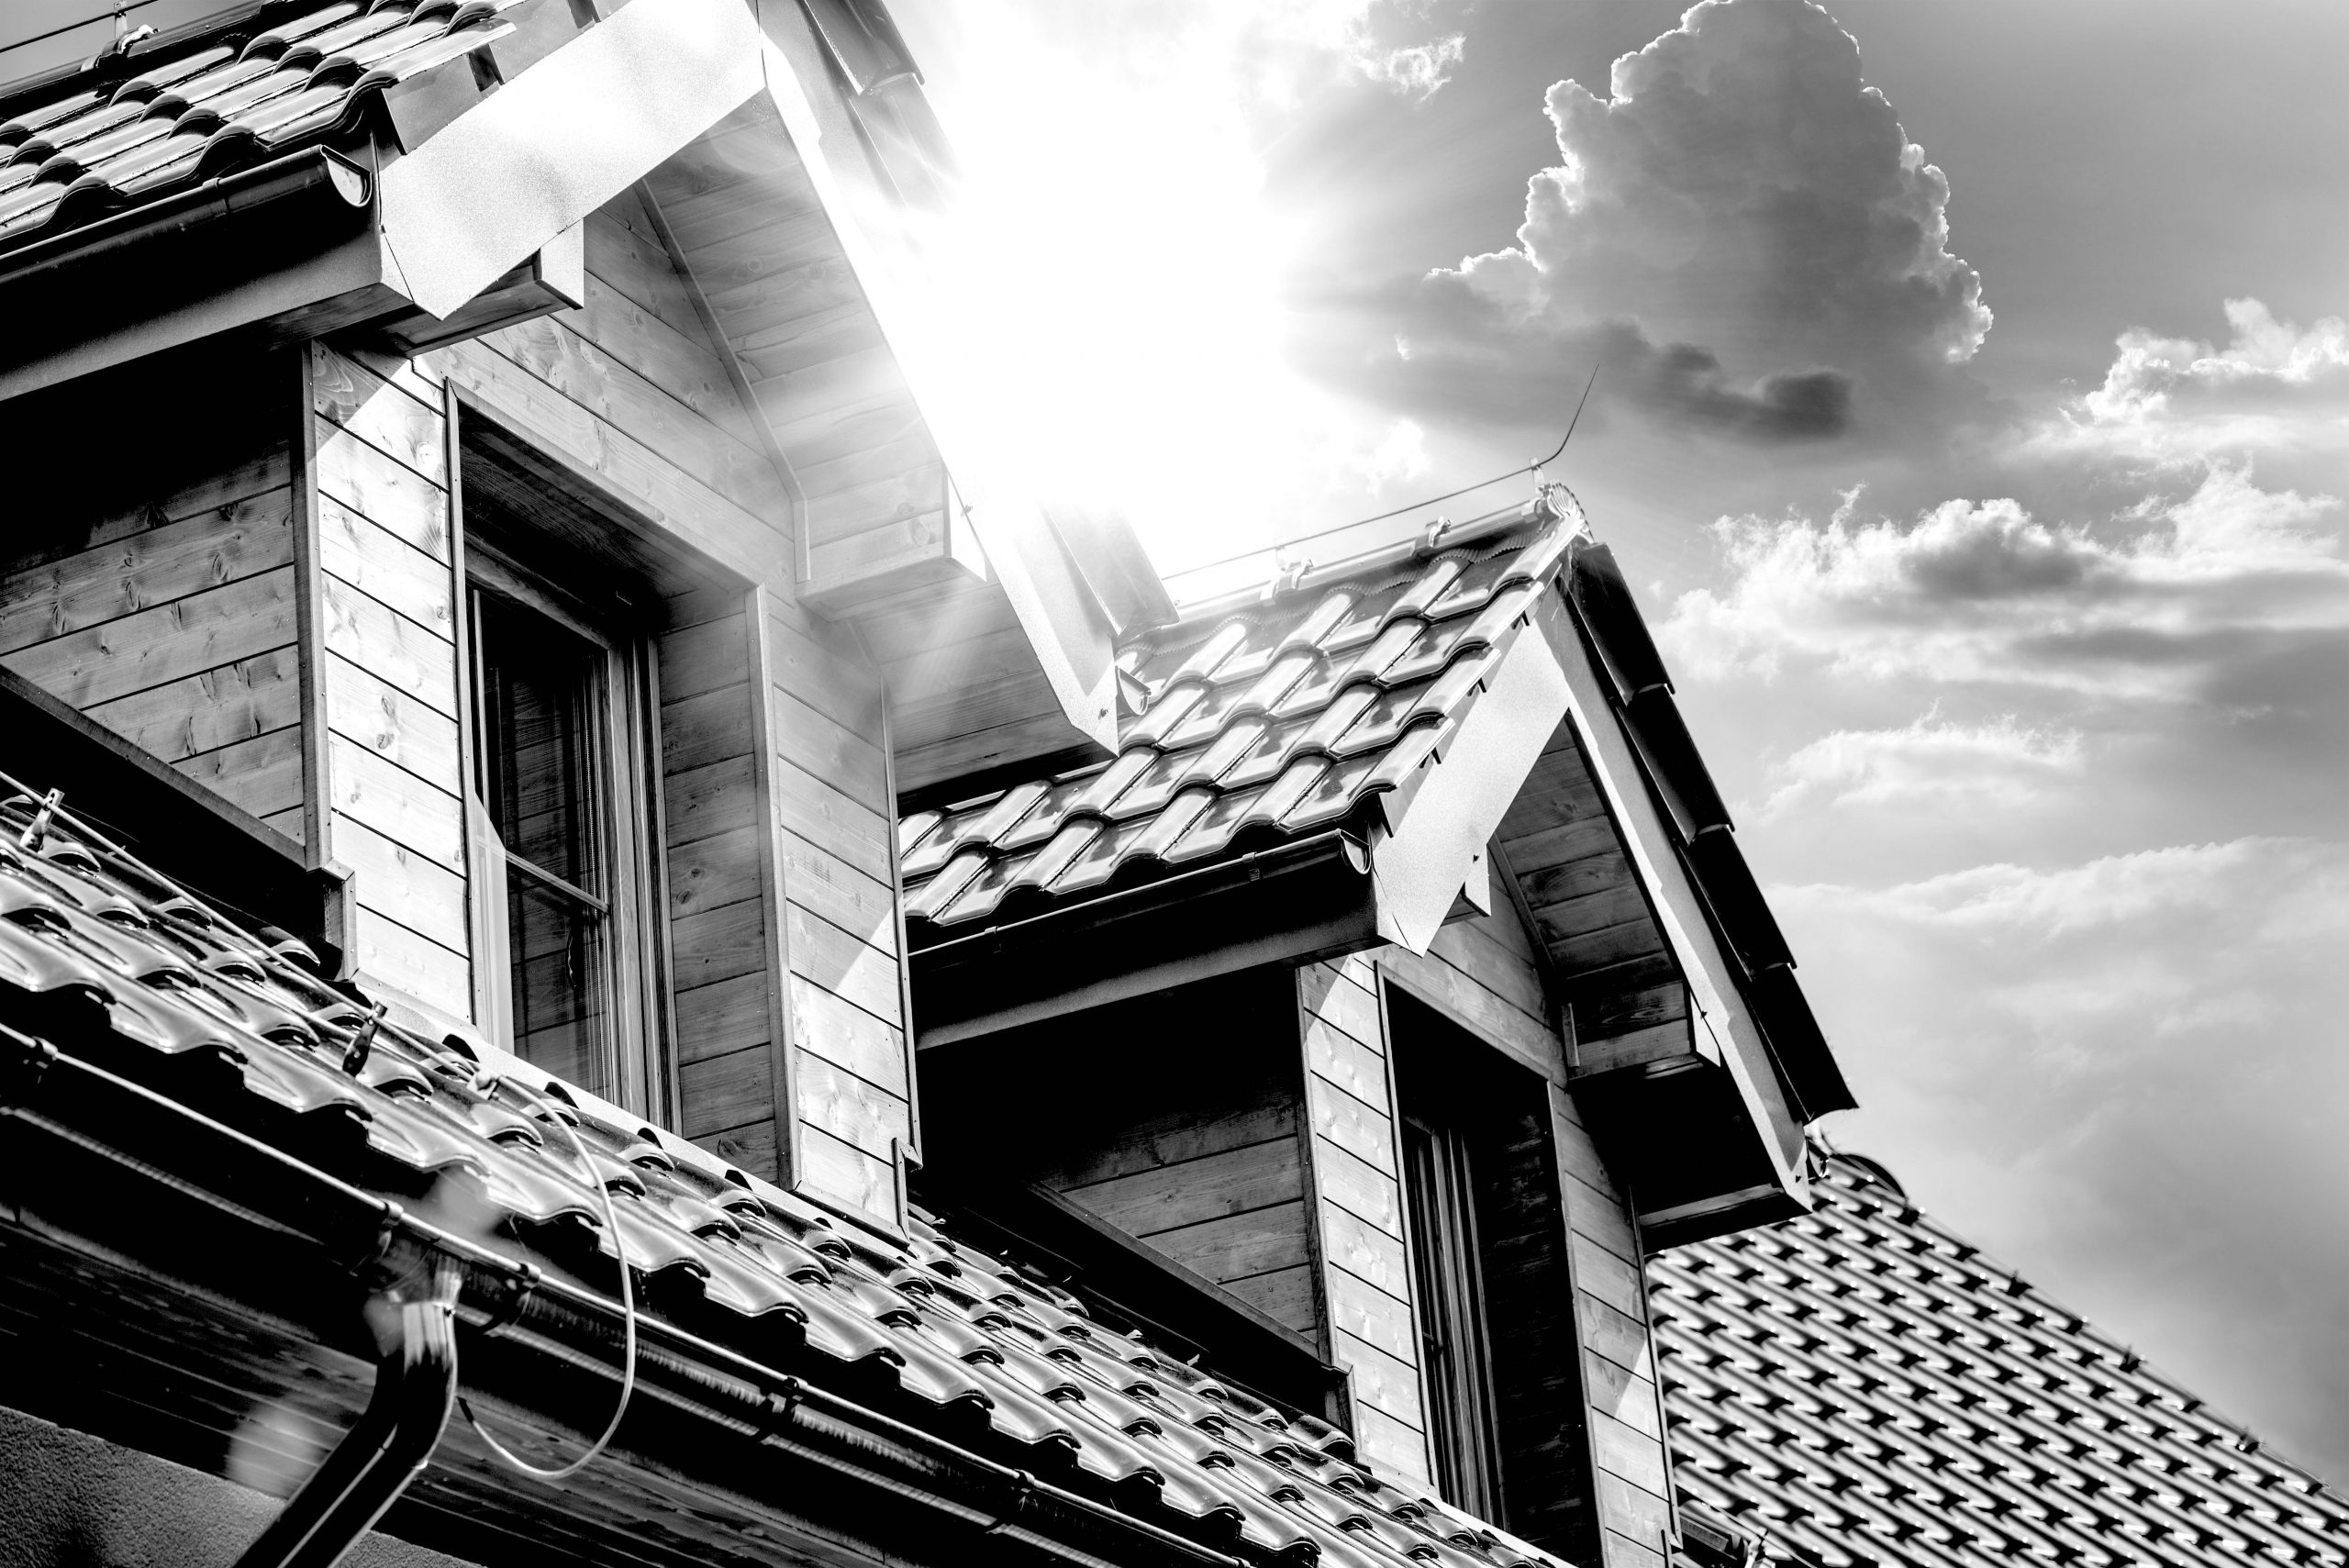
x=508 y=176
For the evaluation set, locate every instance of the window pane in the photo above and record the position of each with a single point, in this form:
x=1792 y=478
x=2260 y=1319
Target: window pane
x=541 y=683
x=539 y=707
x=562 y=1001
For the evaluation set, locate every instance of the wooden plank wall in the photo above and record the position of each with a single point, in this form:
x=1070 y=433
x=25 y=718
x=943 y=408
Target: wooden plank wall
x=158 y=595
x=1358 y=1199
x=1212 y=1176
x=1625 y=1416
x=720 y=929
x=1627 y=1002
x=631 y=391
x=392 y=790
x=746 y=217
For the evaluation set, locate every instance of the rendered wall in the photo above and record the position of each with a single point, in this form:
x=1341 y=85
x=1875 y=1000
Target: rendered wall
x=70 y=1500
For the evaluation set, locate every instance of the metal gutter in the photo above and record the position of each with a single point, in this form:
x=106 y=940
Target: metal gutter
x=1314 y=897
x=314 y=172
x=77 y=1104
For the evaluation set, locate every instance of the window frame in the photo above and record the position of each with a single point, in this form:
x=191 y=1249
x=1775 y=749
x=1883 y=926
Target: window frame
x=1450 y=1318
x=638 y=1068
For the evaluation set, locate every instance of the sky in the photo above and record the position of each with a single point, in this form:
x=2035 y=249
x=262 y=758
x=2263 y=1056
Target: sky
x=1973 y=419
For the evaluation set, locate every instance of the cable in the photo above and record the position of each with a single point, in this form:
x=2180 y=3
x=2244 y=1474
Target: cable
x=488 y=1083
x=1534 y=467
x=105 y=16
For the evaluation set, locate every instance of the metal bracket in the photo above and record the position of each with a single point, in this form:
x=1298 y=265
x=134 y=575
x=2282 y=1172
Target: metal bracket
x=27 y=1063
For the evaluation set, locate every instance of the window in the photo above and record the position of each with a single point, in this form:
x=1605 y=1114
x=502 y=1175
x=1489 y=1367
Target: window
x=1505 y=1416
x=1455 y=1353
x=560 y=823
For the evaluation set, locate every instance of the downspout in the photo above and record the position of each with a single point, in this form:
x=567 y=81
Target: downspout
x=416 y=1384
x=49 y=1092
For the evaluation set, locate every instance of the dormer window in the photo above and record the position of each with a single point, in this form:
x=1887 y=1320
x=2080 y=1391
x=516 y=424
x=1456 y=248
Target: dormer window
x=1447 y=1265
x=558 y=822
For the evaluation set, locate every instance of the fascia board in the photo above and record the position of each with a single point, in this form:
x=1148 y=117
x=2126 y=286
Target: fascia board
x=568 y=135
x=342 y=286
x=1071 y=633
x=1725 y=1031
x=1422 y=864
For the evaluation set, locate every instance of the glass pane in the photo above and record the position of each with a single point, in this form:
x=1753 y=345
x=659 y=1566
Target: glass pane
x=539 y=706
x=561 y=997
x=540 y=686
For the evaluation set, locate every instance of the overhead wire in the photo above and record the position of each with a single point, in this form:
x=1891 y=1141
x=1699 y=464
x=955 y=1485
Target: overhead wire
x=1535 y=468
x=112 y=13
x=488 y=1083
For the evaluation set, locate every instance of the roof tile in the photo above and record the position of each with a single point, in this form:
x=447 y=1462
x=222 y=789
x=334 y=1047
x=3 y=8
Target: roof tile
x=1244 y=712
x=1868 y=1387
x=216 y=104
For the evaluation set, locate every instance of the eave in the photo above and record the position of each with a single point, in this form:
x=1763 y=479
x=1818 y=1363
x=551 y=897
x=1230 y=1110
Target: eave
x=992 y=629
x=440 y=212
x=1701 y=1115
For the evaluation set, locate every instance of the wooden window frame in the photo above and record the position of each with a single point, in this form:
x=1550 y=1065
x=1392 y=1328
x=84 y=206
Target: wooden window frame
x=638 y=1072
x=1455 y=1350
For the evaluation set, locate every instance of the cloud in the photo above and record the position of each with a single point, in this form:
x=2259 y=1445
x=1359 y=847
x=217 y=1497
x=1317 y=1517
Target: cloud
x=2272 y=387
x=2117 y=1075
x=1740 y=231
x=1931 y=763
x=2163 y=603
x=1416 y=71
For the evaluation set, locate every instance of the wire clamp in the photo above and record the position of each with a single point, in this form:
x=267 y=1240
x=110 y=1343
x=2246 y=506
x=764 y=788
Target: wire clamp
x=29 y=1065
x=1023 y=1492
x=362 y=1039
x=777 y=1406
x=37 y=832
x=516 y=1288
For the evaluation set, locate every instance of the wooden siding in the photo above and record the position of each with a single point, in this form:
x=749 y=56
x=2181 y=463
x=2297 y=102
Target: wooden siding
x=780 y=869
x=1628 y=1462
x=1624 y=995
x=158 y=595
x=1358 y=1207
x=1215 y=1182
x=720 y=929
x=393 y=796
x=745 y=216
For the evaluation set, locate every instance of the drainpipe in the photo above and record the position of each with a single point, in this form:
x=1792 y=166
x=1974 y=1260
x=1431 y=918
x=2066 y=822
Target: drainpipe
x=416 y=1383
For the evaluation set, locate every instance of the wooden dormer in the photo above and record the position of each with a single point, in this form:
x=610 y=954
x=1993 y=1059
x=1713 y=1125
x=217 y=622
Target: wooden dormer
x=408 y=450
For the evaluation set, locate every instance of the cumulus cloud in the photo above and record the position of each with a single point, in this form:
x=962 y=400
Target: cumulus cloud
x=1741 y=230
x=2104 y=1071
x=1929 y=762
x=2159 y=604
x=2273 y=386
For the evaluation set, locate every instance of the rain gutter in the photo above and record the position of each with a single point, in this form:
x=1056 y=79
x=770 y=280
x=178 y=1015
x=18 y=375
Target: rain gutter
x=73 y=1102
x=1312 y=898
x=317 y=173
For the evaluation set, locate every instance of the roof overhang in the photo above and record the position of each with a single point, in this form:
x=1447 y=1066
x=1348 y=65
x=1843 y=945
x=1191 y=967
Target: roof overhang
x=1416 y=858
x=461 y=217
x=1696 y=1118
x=1315 y=898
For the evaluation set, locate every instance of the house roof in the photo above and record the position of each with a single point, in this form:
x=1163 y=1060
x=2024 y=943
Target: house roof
x=136 y=126
x=1308 y=708
x=186 y=992
x=1860 y=1386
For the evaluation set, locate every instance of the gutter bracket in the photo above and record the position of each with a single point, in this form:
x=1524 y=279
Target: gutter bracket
x=416 y=1384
